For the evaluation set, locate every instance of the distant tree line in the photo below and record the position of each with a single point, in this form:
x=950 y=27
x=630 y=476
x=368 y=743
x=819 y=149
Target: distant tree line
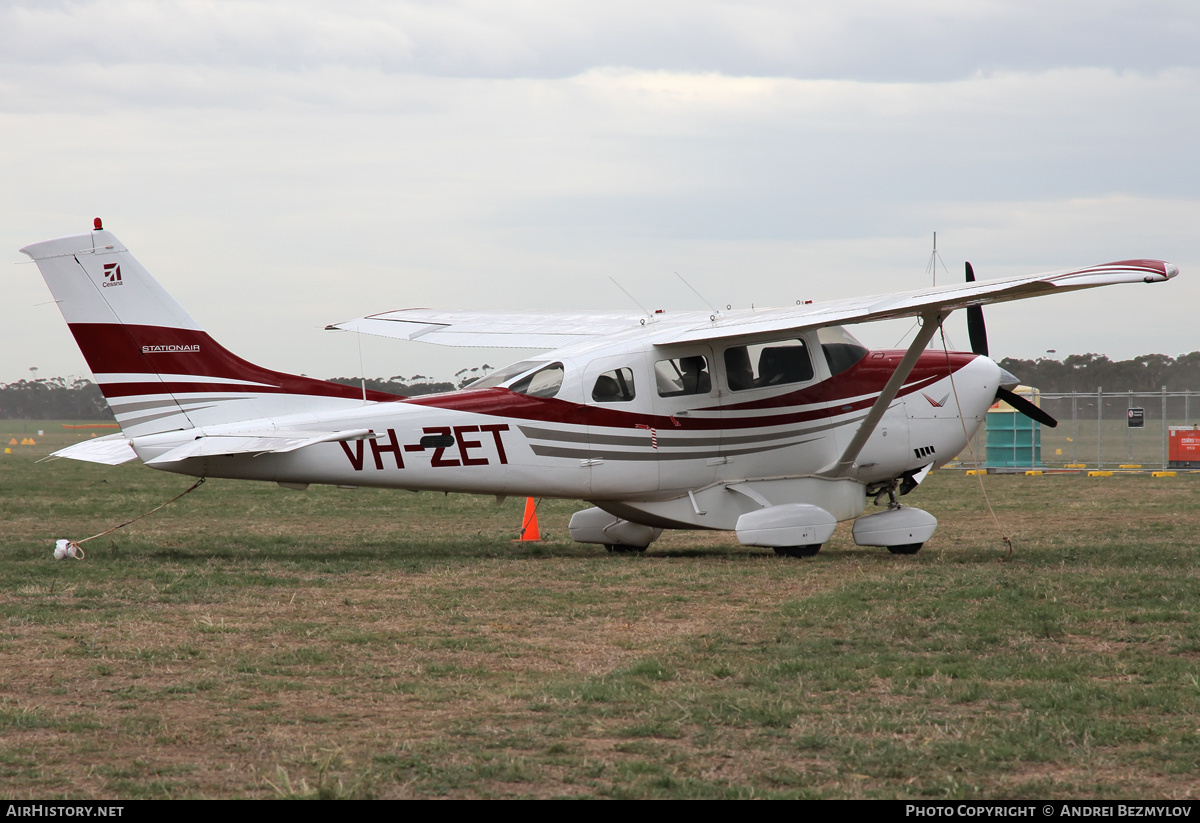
x=56 y=399
x=392 y=385
x=418 y=384
x=53 y=399
x=1087 y=372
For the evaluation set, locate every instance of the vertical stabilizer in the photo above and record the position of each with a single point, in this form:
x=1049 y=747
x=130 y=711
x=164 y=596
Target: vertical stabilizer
x=157 y=368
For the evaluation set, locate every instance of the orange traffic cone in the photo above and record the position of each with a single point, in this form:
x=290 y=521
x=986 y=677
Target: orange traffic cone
x=529 y=524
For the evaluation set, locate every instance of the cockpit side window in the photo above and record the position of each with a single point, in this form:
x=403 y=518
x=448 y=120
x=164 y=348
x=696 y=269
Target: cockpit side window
x=614 y=386
x=544 y=382
x=762 y=365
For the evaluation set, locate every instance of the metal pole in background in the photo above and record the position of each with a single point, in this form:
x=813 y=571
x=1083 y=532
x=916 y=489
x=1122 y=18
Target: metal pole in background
x=1099 y=430
x=1164 y=426
x=1128 y=431
x=1075 y=426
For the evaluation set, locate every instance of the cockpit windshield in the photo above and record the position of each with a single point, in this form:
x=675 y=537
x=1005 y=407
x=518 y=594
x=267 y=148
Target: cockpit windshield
x=545 y=382
x=536 y=378
x=502 y=376
x=841 y=348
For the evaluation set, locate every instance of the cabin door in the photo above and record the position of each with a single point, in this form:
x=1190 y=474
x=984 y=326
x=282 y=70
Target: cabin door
x=621 y=454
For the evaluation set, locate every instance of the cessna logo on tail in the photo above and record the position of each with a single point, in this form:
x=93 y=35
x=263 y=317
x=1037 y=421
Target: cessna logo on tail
x=937 y=404
x=112 y=273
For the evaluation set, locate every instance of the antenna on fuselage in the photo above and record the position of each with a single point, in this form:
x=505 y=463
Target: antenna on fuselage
x=631 y=297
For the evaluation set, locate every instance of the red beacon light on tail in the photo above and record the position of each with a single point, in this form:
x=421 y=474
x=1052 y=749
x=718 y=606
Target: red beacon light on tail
x=98 y=224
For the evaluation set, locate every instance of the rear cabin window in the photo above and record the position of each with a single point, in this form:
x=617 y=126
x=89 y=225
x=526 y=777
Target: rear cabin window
x=614 y=386
x=763 y=365
x=682 y=376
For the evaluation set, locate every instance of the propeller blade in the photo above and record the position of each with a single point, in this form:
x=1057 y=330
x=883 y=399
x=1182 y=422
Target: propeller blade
x=975 y=327
x=978 y=334
x=1025 y=407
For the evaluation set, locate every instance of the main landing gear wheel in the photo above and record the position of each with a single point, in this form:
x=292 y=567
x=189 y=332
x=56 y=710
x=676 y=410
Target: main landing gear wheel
x=798 y=551
x=619 y=549
x=907 y=548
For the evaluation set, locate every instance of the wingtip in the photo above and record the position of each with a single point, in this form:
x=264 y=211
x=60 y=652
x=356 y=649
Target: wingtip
x=1158 y=270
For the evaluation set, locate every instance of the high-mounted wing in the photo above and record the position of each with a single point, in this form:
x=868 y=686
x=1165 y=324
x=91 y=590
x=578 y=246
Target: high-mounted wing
x=523 y=329
x=930 y=301
x=554 y=329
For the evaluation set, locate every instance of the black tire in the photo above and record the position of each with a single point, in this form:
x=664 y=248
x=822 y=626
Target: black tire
x=620 y=549
x=798 y=551
x=907 y=548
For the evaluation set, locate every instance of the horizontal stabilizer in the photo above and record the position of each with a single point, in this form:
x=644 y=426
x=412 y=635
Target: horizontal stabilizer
x=256 y=443
x=111 y=450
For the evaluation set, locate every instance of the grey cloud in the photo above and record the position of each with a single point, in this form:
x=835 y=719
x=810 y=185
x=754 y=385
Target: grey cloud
x=928 y=40
x=282 y=167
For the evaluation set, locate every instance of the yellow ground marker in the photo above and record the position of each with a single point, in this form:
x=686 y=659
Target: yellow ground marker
x=7 y=450
x=1131 y=465
x=1100 y=474
x=1033 y=472
x=976 y=471
x=1076 y=466
x=1162 y=474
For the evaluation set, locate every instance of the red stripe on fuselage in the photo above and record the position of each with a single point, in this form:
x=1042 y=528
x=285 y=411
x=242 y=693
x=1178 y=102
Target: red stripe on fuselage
x=864 y=380
x=110 y=348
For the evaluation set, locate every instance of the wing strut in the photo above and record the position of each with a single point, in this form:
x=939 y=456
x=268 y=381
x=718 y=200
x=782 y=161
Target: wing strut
x=930 y=323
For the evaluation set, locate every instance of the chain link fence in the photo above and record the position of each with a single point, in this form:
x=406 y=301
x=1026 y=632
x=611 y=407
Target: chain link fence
x=1094 y=431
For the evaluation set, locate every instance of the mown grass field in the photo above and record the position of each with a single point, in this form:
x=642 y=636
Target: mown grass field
x=249 y=641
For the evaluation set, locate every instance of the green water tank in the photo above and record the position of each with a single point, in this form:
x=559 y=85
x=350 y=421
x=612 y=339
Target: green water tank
x=1013 y=440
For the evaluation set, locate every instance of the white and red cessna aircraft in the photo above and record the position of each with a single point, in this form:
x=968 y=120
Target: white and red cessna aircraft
x=772 y=423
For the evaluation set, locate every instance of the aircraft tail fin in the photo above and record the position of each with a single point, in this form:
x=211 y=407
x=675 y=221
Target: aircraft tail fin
x=157 y=368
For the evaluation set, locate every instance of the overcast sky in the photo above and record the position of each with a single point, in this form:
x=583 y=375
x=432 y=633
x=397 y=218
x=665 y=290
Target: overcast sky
x=281 y=166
